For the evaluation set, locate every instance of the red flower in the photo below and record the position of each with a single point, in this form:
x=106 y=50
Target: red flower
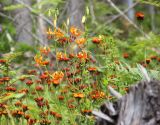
x=22 y=79
x=2 y=61
x=53 y=113
x=26 y=116
x=10 y=88
x=17 y=113
x=158 y=59
x=29 y=82
x=31 y=121
x=5 y=79
x=25 y=108
x=44 y=75
x=148 y=61
x=39 y=88
x=39 y=99
x=139 y=15
x=60 y=97
x=153 y=57
x=125 y=55
x=71 y=106
x=18 y=103
x=96 y=40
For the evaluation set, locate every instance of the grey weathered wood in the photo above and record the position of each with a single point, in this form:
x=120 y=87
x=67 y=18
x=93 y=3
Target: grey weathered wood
x=140 y=106
x=75 y=12
x=23 y=23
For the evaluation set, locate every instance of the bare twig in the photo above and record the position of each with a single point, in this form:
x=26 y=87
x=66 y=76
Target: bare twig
x=37 y=14
x=114 y=93
x=99 y=114
x=62 y=13
x=6 y=16
x=144 y=73
x=126 y=17
x=92 y=10
x=41 y=27
x=114 y=18
x=33 y=35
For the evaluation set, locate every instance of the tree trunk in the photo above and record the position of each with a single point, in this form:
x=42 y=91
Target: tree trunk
x=76 y=12
x=23 y=23
x=130 y=13
x=140 y=106
x=152 y=14
x=41 y=28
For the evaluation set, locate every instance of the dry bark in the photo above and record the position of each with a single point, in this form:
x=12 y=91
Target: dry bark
x=140 y=106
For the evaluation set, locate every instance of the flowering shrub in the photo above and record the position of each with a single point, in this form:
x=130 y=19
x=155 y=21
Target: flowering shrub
x=63 y=87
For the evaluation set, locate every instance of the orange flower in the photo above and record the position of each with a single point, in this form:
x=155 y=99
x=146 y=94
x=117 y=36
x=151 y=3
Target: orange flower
x=82 y=55
x=45 y=50
x=140 y=16
x=50 y=32
x=63 y=40
x=96 y=40
x=45 y=62
x=80 y=41
x=39 y=60
x=97 y=94
x=57 y=77
x=17 y=113
x=58 y=116
x=75 y=32
x=62 y=56
x=92 y=69
x=86 y=112
x=78 y=95
x=23 y=91
x=126 y=89
x=58 y=33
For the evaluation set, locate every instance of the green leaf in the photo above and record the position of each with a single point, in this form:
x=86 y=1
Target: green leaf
x=11 y=96
x=13 y=7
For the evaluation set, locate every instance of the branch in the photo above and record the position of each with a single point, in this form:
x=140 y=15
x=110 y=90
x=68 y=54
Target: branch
x=37 y=14
x=114 y=92
x=8 y=17
x=114 y=18
x=99 y=114
x=121 y=13
x=126 y=17
x=33 y=35
x=92 y=10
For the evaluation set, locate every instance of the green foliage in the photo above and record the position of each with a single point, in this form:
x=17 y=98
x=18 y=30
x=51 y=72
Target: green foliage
x=13 y=7
x=151 y=2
